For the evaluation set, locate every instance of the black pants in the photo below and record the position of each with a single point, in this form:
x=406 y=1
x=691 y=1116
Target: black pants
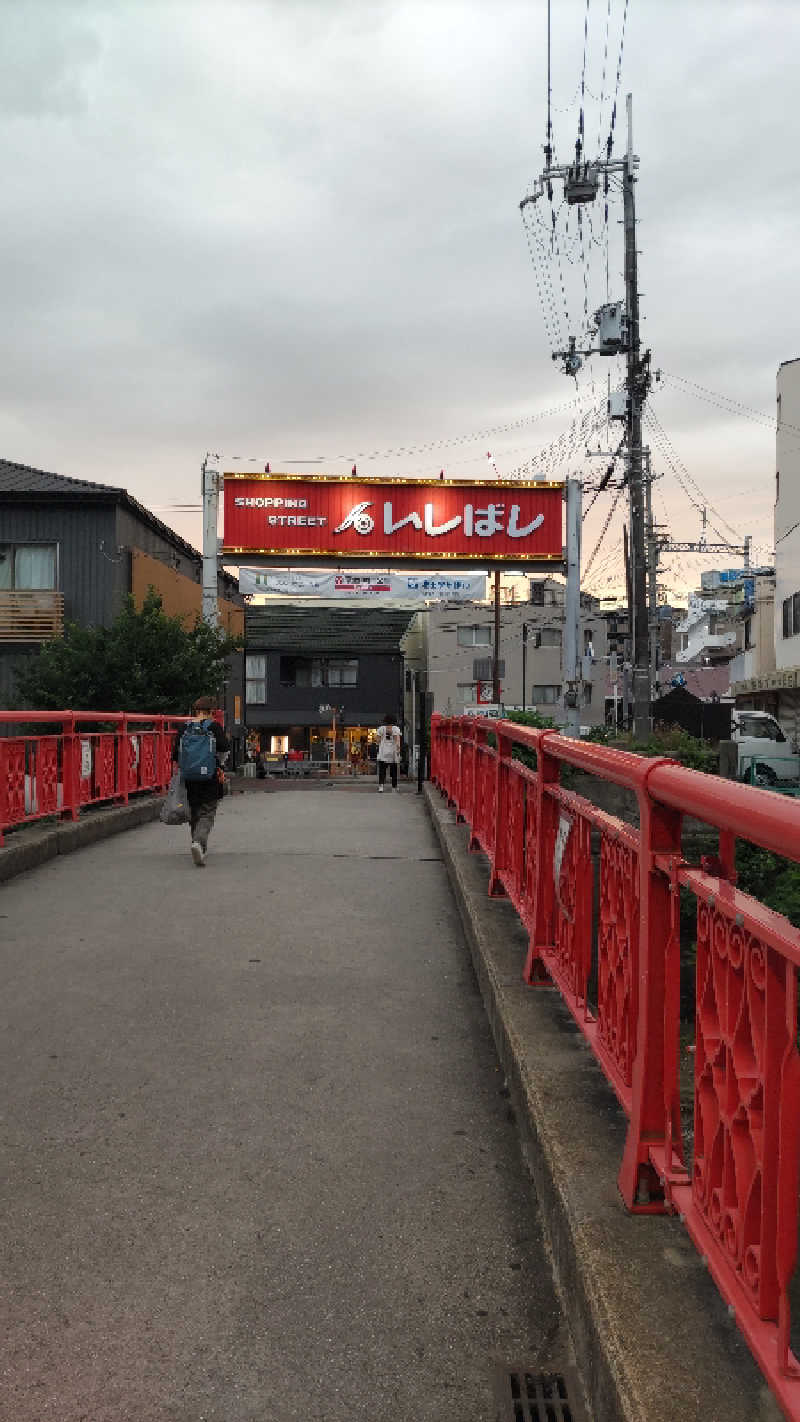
x=203 y=800
x=383 y=766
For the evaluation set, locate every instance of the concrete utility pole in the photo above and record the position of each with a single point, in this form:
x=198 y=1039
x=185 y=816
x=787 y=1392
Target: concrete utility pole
x=614 y=335
x=637 y=380
x=571 y=671
x=496 y=647
x=210 y=492
x=653 y=549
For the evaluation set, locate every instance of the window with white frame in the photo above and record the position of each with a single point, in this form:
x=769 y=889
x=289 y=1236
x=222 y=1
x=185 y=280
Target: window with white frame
x=475 y=636
x=256 y=679
x=545 y=695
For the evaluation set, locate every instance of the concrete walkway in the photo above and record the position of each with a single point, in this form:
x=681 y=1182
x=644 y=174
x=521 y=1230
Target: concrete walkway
x=258 y=1162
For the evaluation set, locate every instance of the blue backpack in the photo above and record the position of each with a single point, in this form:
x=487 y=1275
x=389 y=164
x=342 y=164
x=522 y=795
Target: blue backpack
x=197 y=753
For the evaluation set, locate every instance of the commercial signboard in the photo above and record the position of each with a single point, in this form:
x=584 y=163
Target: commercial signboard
x=371 y=587
x=294 y=517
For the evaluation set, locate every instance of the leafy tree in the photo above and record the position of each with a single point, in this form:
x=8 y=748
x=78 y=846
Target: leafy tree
x=145 y=661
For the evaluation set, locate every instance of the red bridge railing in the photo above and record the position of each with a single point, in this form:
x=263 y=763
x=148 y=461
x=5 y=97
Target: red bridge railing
x=57 y=762
x=740 y=1201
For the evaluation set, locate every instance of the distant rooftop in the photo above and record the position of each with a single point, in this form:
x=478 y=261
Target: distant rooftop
x=21 y=481
x=327 y=629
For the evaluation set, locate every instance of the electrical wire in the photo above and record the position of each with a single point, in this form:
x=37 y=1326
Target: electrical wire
x=580 y=138
x=675 y=461
x=612 y=126
x=588 y=567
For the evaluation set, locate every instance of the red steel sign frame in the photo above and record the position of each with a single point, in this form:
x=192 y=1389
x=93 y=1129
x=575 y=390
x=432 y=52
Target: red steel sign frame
x=319 y=516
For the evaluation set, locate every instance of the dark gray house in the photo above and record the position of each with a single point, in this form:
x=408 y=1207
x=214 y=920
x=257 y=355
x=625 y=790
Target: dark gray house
x=306 y=665
x=71 y=551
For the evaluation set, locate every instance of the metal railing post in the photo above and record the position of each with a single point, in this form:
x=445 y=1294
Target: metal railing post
x=70 y=765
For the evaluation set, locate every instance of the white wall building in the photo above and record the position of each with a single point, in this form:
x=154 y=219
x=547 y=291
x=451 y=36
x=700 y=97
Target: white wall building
x=454 y=644
x=775 y=687
x=787 y=518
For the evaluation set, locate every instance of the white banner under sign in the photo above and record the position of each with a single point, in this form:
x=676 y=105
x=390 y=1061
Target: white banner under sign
x=450 y=587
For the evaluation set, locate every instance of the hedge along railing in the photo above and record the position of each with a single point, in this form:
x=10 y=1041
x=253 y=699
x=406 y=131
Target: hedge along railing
x=740 y=1204
x=57 y=762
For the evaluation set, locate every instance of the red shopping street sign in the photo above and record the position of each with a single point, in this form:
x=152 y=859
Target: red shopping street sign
x=291 y=516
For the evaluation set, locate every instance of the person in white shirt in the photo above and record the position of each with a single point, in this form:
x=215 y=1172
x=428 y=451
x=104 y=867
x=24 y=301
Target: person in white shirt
x=388 y=752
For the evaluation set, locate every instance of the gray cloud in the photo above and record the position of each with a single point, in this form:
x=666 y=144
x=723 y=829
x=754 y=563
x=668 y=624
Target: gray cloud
x=290 y=229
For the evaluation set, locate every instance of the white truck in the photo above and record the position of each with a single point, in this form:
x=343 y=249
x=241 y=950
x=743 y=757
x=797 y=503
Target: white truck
x=765 y=757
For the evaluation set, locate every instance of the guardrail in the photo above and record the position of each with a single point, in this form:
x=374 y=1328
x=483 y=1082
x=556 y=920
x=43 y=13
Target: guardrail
x=58 y=762
x=622 y=937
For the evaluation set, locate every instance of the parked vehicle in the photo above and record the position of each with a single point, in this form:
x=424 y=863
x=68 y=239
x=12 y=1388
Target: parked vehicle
x=764 y=754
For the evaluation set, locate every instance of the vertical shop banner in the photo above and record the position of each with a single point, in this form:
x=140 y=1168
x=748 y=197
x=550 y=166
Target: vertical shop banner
x=316 y=516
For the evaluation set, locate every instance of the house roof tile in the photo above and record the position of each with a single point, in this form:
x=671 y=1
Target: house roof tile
x=326 y=629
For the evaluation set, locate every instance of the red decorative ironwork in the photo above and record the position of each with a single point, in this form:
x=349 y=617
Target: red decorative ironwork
x=740 y=1206
x=744 y=1033
x=74 y=764
x=572 y=873
x=618 y=953
x=47 y=776
x=12 y=781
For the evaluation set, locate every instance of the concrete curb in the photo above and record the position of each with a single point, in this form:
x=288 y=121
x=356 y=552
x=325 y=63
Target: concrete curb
x=652 y=1336
x=32 y=847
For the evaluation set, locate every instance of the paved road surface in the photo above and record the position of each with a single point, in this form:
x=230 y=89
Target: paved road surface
x=257 y=1163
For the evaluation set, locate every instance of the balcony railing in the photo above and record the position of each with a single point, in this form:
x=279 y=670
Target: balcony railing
x=34 y=616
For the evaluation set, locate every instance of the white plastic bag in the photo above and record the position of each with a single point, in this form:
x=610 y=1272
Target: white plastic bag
x=174 y=809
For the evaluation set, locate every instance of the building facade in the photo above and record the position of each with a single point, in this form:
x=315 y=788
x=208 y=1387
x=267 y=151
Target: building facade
x=72 y=551
x=757 y=684
x=456 y=653
x=319 y=680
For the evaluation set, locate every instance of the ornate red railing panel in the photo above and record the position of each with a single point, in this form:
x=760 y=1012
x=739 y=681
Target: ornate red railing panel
x=485 y=793
x=12 y=782
x=571 y=960
x=75 y=763
x=509 y=865
x=741 y=1203
x=618 y=952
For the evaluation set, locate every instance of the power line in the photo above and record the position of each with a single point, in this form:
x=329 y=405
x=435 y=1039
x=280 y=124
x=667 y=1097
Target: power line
x=658 y=429
x=603 y=532
x=729 y=405
x=612 y=126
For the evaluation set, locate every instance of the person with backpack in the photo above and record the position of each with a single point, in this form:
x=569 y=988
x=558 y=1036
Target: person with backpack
x=200 y=751
x=388 y=752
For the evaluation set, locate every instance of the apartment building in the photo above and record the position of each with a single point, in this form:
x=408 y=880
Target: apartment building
x=453 y=648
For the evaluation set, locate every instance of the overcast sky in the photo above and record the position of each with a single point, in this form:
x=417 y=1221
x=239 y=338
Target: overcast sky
x=291 y=230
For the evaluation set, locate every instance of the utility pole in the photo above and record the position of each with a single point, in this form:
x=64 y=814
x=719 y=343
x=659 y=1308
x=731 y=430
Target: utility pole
x=616 y=334
x=637 y=381
x=496 y=648
x=571 y=671
x=524 y=661
x=210 y=493
x=653 y=549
